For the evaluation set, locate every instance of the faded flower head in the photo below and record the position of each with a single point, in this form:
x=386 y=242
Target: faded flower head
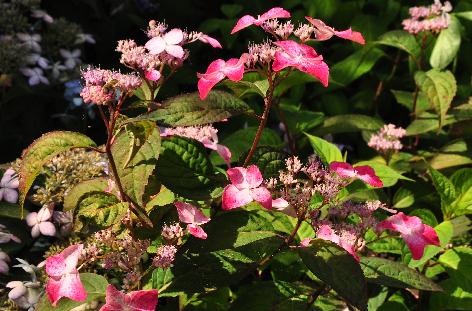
x=165 y=256
x=387 y=139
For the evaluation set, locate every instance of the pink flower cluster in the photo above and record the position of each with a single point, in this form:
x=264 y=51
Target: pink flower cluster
x=387 y=139
x=100 y=85
x=207 y=135
x=432 y=18
x=279 y=54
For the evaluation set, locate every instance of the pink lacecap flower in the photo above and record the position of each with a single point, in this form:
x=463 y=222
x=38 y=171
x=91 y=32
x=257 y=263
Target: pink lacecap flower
x=325 y=232
x=40 y=222
x=246 y=187
x=364 y=173
x=416 y=234
x=218 y=70
x=248 y=20
x=8 y=185
x=193 y=217
x=207 y=135
x=168 y=43
x=141 y=300
x=302 y=57
x=152 y=75
x=64 y=279
x=211 y=41
x=324 y=32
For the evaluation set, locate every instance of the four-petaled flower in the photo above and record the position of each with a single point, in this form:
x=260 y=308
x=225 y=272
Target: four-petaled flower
x=364 y=173
x=30 y=41
x=71 y=58
x=40 y=222
x=324 y=32
x=248 y=20
x=168 y=43
x=302 y=57
x=8 y=185
x=193 y=217
x=218 y=70
x=64 y=279
x=245 y=187
x=415 y=234
x=141 y=300
x=35 y=76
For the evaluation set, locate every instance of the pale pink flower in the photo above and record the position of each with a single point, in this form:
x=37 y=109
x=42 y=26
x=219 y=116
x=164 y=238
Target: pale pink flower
x=246 y=187
x=40 y=14
x=71 y=58
x=302 y=57
x=31 y=41
x=40 y=222
x=141 y=300
x=388 y=138
x=4 y=260
x=193 y=217
x=8 y=186
x=281 y=205
x=325 y=232
x=432 y=18
x=415 y=234
x=35 y=76
x=168 y=43
x=18 y=289
x=172 y=232
x=324 y=32
x=207 y=135
x=364 y=173
x=218 y=70
x=64 y=279
x=6 y=236
x=248 y=20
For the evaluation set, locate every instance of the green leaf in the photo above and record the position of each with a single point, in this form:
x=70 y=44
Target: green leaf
x=269 y=160
x=440 y=88
x=161 y=277
x=10 y=210
x=348 y=123
x=189 y=109
x=354 y=66
x=240 y=141
x=445 y=189
x=73 y=196
x=164 y=197
x=327 y=151
x=135 y=150
x=465 y=15
x=298 y=120
x=95 y=286
x=231 y=10
x=403 y=198
x=237 y=241
x=338 y=269
x=406 y=99
x=462 y=181
x=427 y=124
x=387 y=174
x=184 y=168
x=395 y=274
x=242 y=88
x=447 y=45
x=100 y=209
x=402 y=40
x=42 y=150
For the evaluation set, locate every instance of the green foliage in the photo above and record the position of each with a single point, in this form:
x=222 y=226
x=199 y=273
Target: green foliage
x=348 y=123
x=44 y=149
x=75 y=195
x=402 y=40
x=269 y=160
x=189 y=109
x=325 y=150
x=446 y=46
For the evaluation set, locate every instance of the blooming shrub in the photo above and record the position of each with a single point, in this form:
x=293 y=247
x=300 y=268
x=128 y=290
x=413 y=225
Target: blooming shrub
x=167 y=214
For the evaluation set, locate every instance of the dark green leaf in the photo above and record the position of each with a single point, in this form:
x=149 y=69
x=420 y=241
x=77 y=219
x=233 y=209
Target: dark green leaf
x=347 y=123
x=269 y=160
x=403 y=41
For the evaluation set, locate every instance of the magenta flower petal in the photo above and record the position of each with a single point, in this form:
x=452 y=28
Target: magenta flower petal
x=325 y=32
x=262 y=196
x=69 y=285
x=211 y=41
x=253 y=176
x=225 y=153
x=367 y=175
x=415 y=234
x=141 y=300
x=342 y=169
x=348 y=34
x=276 y=12
x=234 y=68
x=237 y=176
x=234 y=198
x=243 y=22
x=189 y=214
x=152 y=75
x=196 y=231
x=325 y=232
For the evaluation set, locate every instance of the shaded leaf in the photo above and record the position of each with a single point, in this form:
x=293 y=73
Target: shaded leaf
x=447 y=45
x=327 y=151
x=73 y=196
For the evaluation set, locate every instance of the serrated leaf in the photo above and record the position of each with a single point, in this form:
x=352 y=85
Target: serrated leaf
x=136 y=163
x=403 y=41
x=42 y=150
x=184 y=168
x=395 y=274
x=73 y=196
x=348 y=123
x=242 y=88
x=161 y=277
x=406 y=99
x=189 y=109
x=100 y=209
x=327 y=151
x=403 y=198
x=95 y=286
x=447 y=45
x=440 y=88
x=269 y=160
x=445 y=189
x=338 y=269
